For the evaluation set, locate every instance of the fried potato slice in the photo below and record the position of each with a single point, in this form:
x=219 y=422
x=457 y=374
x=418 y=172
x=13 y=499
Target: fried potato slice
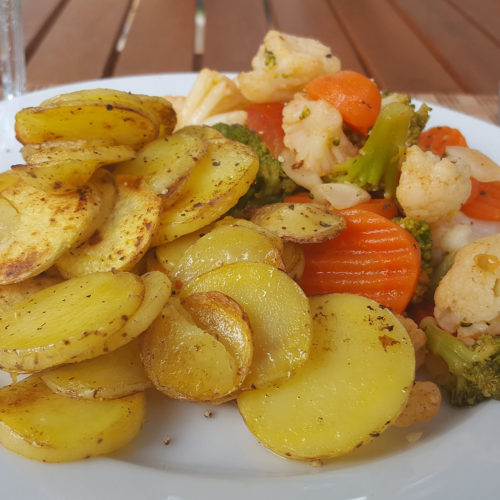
x=299 y=222
x=354 y=385
x=114 y=116
x=215 y=185
x=294 y=260
x=37 y=228
x=164 y=111
x=184 y=361
x=165 y=164
x=101 y=151
x=59 y=176
x=124 y=237
x=11 y=294
x=157 y=288
x=41 y=425
x=66 y=320
x=226 y=244
x=278 y=311
x=224 y=318
x=110 y=376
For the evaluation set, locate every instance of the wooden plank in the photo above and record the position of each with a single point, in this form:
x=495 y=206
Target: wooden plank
x=471 y=56
x=37 y=16
x=234 y=31
x=392 y=53
x=485 y=13
x=316 y=19
x=79 y=44
x=160 y=40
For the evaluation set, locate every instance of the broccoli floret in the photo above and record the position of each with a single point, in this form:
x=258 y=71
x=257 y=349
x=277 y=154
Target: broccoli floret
x=271 y=184
x=421 y=231
x=479 y=364
x=376 y=166
x=459 y=391
x=419 y=118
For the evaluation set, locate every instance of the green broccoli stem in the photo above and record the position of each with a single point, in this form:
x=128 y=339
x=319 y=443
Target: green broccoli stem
x=377 y=164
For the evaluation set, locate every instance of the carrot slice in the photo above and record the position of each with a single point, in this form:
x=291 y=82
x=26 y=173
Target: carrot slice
x=437 y=138
x=356 y=97
x=381 y=206
x=302 y=197
x=484 y=201
x=265 y=119
x=373 y=257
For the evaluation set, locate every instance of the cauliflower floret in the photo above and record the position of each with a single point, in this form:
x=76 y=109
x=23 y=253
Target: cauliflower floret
x=283 y=65
x=452 y=233
x=467 y=299
x=313 y=132
x=340 y=195
x=211 y=94
x=431 y=188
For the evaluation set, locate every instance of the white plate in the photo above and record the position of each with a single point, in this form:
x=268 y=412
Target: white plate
x=217 y=458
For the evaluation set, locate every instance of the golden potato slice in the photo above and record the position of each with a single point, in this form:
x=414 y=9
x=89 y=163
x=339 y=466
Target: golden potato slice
x=165 y=164
x=105 y=153
x=203 y=132
x=163 y=109
x=110 y=376
x=114 y=116
x=215 y=185
x=299 y=222
x=157 y=288
x=11 y=294
x=224 y=318
x=42 y=425
x=184 y=361
x=354 y=385
x=8 y=179
x=225 y=244
x=169 y=254
x=123 y=239
x=294 y=260
x=65 y=320
x=37 y=228
x=278 y=311
x=60 y=176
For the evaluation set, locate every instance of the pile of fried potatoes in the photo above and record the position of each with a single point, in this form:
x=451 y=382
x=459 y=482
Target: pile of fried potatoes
x=120 y=272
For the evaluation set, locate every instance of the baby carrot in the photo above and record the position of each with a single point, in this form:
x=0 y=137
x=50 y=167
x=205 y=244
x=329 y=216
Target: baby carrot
x=356 y=97
x=373 y=257
x=484 y=201
x=437 y=138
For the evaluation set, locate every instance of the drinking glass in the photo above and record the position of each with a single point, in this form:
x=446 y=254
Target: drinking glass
x=13 y=66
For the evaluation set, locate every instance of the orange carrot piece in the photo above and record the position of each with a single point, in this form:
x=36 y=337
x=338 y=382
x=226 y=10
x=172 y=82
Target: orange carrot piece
x=381 y=206
x=373 y=257
x=265 y=119
x=484 y=201
x=302 y=197
x=356 y=97
x=437 y=138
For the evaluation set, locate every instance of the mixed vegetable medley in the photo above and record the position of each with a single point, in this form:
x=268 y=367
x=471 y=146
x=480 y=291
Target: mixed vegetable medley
x=293 y=241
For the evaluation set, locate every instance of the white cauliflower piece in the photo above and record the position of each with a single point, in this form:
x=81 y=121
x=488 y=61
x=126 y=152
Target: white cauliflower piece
x=313 y=132
x=211 y=94
x=452 y=233
x=340 y=195
x=283 y=65
x=467 y=299
x=431 y=188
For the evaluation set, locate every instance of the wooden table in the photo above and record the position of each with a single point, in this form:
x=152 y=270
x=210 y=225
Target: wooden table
x=445 y=50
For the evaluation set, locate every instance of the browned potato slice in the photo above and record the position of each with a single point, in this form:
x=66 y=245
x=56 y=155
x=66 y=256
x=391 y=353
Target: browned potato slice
x=165 y=164
x=225 y=244
x=66 y=320
x=224 y=318
x=163 y=109
x=203 y=132
x=184 y=361
x=37 y=228
x=169 y=254
x=354 y=385
x=11 y=294
x=125 y=236
x=299 y=222
x=105 y=154
x=42 y=425
x=8 y=179
x=117 y=117
x=215 y=185
x=110 y=376
x=278 y=312
x=60 y=176
x=294 y=260
x=157 y=288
